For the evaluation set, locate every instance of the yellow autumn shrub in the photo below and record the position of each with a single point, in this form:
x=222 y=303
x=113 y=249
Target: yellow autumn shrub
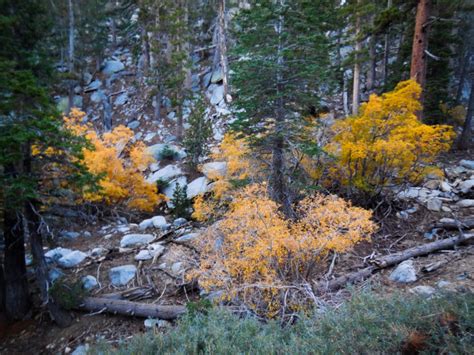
x=235 y=152
x=386 y=143
x=120 y=163
x=259 y=258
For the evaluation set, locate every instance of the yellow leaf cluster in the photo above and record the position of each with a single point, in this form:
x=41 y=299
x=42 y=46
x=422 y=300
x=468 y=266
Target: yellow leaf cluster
x=256 y=255
x=120 y=162
x=386 y=143
x=234 y=151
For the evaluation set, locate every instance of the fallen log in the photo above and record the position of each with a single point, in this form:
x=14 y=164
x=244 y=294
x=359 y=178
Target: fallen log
x=390 y=260
x=129 y=308
x=456 y=225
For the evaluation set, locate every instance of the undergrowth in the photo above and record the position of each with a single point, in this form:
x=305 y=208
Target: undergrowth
x=366 y=324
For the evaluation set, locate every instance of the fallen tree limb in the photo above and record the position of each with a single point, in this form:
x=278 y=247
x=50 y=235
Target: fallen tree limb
x=393 y=259
x=455 y=225
x=128 y=308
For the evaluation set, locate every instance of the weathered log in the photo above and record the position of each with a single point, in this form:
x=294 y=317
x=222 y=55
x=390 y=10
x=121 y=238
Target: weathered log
x=455 y=225
x=128 y=308
x=390 y=260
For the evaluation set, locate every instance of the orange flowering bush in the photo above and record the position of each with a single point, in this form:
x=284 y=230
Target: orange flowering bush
x=120 y=163
x=267 y=262
x=386 y=143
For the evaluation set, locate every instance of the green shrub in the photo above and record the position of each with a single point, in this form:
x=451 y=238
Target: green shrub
x=181 y=203
x=161 y=185
x=366 y=324
x=168 y=153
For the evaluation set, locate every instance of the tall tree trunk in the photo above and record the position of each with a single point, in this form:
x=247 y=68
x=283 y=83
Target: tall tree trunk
x=356 y=79
x=465 y=140
x=223 y=50
x=386 y=52
x=462 y=76
x=278 y=184
x=71 y=54
x=420 y=45
x=16 y=297
x=146 y=51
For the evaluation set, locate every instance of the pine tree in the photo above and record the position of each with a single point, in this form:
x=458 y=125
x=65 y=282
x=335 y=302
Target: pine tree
x=282 y=71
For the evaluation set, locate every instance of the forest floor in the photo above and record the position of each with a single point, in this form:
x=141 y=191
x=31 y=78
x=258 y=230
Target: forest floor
x=40 y=336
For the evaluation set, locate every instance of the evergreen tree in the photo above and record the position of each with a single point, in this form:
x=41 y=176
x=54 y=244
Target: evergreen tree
x=282 y=71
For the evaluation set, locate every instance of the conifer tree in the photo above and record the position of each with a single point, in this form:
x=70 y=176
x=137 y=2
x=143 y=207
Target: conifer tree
x=282 y=70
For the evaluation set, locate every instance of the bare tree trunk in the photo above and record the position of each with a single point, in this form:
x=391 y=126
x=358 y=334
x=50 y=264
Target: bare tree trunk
x=356 y=79
x=16 y=297
x=71 y=54
x=420 y=45
x=223 y=50
x=146 y=51
x=386 y=53
x=466 y=136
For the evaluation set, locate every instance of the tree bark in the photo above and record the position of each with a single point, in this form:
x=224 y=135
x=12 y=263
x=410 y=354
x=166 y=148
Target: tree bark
x=16 y=297
x=71 y=54
x=356 y=78
x=223 y=50
x=386 y=54
x=420 y=45
x=371 y=75
x=465 y=140
x=129 y=308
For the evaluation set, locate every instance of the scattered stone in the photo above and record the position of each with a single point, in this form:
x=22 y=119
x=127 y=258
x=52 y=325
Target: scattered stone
x=217 y=76
x=122 y=275
x=167 y=173
x=177 y=268
x=197 y=187
x=214 y=169
x=468 y=164
x=465 y=203
x=156 y=323
x=122 y=99
x=69 y=235
x=432 y=184
x=134 y=124
x=404 y=273
x=95 y=85
x=446 y=209
x=445 y=186
x=72 y=259
x=149 y=137
x=187 y=237
x=434 y=204
x=89 y=282
x=87 y=234
x=97 y=96
x=112 y=67
x=98 y=251
x=54 y=255
x=55 y=274
x=424 y=291
x=154 y=250
x=156 y=150
x=159 y=222
x=466 y=186
x=170 y=189
x=132 y=240
x=145 y=224
x=217 y=95
x=178 y=222
x=443 y=284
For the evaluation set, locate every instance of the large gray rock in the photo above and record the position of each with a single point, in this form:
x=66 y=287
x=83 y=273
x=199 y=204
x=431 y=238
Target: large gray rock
x=197 y=187
x=171 y=188
x=404 y=273
x=217 y=95
x=54 y=255
x=112 y=67
x=468 y=164
x=132 y=240
x=217 y=76
x=89 y=282
x=156 y=150
x=168 y=173
x=465 y=203
x=122 y=275
x=72 y=259
x=159 y=222
x=214 y=169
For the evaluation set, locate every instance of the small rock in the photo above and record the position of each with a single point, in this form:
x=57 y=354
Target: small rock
x=187 y=237
x=122 y=99
x=122 y=275
x=217 y=76
x=131 y=240
x=214 y=169
x=72 y=259
x=432 y=184
x=98 y=251
x=87 y=234
x=404 y=273
x=197 y=187
x=466 y=186
x=443 y=284
x=446 y=209
x=95 y=85
x=177 y=268
x=54 y=255
x=465 y=203
x=81 y=350
x=156 y=323
x=89 y=282
x=145 y=224
x=112 y=66
x=153 y=251
x=217 y=95
x=55 y=274
x=434 y=204
x=69 y=235
x=159 y=222
x=445 y=186
x=468 y=164
x=424 y=291
x=133 y=124
x=178 y=222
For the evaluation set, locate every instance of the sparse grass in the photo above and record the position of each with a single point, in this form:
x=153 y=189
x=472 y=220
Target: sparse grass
x=367 y=324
